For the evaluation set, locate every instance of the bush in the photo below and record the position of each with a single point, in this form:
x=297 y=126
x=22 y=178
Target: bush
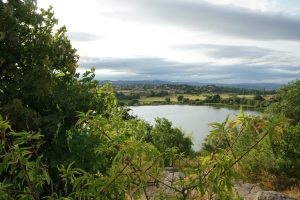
x=288 y=98
x=165 y=137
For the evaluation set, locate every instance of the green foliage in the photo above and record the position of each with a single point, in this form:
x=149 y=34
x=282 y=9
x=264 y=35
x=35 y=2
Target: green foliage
x=288 y=98
x=40 y=90
x=24 y=176
x=165 y=137
x=258 y=97
x=180 y=98
x=286 y=149
x=133 y=102
x=213 y=99
x=119 y=163
x=32 y=54
x=22 y=173
x=273 y=162
x=283 y=145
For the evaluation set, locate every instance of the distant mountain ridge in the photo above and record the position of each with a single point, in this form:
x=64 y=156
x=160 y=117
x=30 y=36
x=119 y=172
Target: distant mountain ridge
x=254 y=86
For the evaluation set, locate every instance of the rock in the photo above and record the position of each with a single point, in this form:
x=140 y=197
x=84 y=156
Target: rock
x=271 y=195
x=247 y=191
x=171 y=169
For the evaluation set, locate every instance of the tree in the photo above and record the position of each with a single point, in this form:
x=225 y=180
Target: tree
x=258 y=97
x=32 y=55
x=180 y=98
x=133 y=102
x=216 y=98
x=39 y=88
x=34 y=59
x=213 y=99
x=165 y=137
x=288 y=98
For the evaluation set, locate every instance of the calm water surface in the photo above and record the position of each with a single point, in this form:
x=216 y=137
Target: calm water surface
x=194 y=120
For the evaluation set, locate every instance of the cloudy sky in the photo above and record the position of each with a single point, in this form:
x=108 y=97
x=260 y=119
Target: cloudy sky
x=222 y=41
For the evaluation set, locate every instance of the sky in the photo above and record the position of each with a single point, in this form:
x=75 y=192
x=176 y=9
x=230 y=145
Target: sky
x=208 y=41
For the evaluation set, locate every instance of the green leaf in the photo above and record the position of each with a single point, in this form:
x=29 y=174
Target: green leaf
x=60 y=75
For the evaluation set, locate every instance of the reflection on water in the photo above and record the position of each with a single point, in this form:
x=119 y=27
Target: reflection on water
x=193 y=120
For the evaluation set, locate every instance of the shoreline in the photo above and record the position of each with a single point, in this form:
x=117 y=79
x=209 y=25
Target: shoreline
x=216 y=105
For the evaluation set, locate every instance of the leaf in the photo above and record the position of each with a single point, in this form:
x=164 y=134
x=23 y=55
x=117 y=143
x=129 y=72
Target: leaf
x=59 y=75
x=46 y=176
x=2 y=35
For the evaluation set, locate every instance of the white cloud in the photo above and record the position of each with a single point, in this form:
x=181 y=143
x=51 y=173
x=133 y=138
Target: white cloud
x=260 y=5
x=134 y=29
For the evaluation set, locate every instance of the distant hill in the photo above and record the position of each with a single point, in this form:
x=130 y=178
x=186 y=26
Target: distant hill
x=254 y=86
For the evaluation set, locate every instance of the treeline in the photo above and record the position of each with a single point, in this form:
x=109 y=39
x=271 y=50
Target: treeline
x=257 y=101
x=132 y=94
x=168 y=89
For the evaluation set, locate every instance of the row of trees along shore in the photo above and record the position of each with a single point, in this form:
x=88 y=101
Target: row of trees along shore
x=63 y=137
x=141 y=94
x=256 y=102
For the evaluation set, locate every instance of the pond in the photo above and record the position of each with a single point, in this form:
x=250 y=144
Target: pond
x=194 y=120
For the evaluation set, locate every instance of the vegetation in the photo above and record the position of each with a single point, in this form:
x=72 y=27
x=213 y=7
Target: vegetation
x=274 y=162
x=164 y=137
x=138 y=94
x=64 y=137
x=289 y=101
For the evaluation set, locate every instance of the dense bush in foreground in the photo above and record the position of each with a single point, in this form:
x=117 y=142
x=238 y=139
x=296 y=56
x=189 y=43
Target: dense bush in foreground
x=110 y=160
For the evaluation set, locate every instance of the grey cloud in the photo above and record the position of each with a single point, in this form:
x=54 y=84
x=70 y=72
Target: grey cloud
x=145 y=66
x=220 y=19
x=83 y=37
x=250 y=54
x=229 y=51
x=161 y=69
